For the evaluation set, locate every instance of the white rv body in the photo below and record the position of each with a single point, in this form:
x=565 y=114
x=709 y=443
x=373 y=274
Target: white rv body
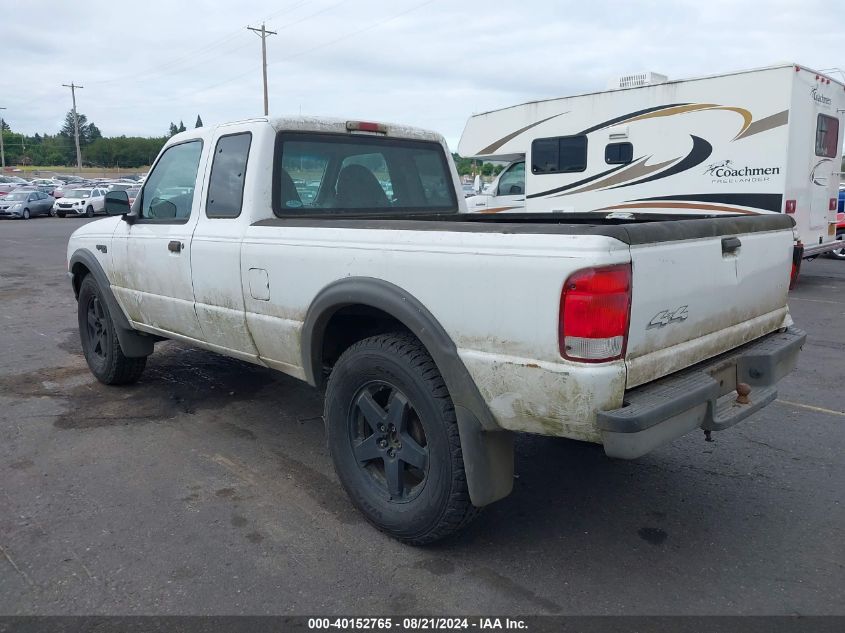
x=757 y=141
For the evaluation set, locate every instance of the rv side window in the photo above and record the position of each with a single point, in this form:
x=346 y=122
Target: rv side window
x=618 y=153
x=558 y=155
x=827 y=136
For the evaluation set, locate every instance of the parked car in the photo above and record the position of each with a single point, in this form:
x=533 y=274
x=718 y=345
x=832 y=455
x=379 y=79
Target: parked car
x=133 y=193
x=597 y=328
x=10 y=183
x=25 y=204
x=87 y=202
x=840 y=225
x=48 y=189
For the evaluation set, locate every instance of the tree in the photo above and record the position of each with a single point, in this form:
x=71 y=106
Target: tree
x=6 y=127
x=199 y=122
x=88 y=132
x=173 y=129
x=181 y=127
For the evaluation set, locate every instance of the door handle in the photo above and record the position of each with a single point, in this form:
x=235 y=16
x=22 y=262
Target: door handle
x=175 y=246
x=730 y=244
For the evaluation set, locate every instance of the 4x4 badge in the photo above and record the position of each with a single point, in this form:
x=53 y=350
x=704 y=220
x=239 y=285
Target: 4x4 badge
x=665 y=317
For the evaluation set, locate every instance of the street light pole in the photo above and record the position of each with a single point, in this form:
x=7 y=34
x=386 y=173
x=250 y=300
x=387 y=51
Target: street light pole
x=2 y=149
x=263 y=33
x=75 y=125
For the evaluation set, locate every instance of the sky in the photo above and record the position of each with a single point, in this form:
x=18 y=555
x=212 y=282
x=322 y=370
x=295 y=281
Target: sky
x=428 y=63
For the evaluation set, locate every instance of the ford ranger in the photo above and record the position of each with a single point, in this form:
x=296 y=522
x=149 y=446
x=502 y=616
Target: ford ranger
x=339 y=252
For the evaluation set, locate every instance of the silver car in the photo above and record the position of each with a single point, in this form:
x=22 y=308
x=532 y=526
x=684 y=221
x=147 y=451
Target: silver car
x=25 y=204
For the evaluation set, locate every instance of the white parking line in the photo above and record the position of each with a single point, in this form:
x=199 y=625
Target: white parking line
x=839 y=303
x=810 y=407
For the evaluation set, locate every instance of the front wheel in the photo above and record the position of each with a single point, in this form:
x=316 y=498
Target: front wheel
x=99 y=339
x=25 y=215
x=89 y=212
x=393 y=437
x=839 y=253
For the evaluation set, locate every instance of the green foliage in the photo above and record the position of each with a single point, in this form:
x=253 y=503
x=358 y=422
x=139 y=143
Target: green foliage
x=471 y=166
x=199 y=122
x=181 y=127
x=59 y=149
x=88 y=132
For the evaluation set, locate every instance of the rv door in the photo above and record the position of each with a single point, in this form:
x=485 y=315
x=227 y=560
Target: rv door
x=507 y=193
x=823 y=183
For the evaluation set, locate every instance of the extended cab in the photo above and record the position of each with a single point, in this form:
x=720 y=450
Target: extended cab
x=339 y=252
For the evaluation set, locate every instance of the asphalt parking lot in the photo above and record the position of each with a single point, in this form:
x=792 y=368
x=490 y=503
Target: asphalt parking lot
x=207 y=489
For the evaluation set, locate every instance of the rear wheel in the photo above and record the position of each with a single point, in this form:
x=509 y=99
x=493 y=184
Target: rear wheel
x=839 y=253
x=52 y=212
x=99 y=339
x=394 y=439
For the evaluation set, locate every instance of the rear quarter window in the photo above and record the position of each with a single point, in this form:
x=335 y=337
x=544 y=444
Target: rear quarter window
x=335 y=174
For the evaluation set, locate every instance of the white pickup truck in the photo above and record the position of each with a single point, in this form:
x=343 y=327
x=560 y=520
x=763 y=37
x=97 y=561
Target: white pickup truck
x=339 y=252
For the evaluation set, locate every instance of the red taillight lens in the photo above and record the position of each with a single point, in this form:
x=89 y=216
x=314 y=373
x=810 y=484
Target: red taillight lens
x=790 y=206
x=595 y=308
x=832 y=204
x=366 y=126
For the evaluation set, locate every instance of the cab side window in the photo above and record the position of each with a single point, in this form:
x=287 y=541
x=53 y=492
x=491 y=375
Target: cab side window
x=512 y=181
x=168 y=193
x=226 y=184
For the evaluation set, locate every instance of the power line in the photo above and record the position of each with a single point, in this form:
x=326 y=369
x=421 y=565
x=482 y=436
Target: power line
x=321 y=46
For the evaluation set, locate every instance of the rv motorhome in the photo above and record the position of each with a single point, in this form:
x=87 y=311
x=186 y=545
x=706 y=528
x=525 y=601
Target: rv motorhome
x=749 y=142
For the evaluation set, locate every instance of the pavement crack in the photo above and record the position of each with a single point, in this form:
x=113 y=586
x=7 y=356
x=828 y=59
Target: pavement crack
x=15 y=566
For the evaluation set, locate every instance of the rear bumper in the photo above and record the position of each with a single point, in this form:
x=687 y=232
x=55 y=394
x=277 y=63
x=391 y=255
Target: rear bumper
x=819 y=249
x=702 y=397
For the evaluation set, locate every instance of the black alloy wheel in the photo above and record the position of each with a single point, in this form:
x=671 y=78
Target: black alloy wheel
x=388 y=441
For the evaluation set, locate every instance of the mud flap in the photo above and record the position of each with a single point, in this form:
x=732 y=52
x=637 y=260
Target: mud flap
x=488 y=459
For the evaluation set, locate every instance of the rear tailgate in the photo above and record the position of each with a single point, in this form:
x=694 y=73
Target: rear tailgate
x=702 y=287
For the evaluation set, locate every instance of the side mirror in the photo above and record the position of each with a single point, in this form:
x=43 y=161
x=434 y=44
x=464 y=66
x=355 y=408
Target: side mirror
x=117 y=203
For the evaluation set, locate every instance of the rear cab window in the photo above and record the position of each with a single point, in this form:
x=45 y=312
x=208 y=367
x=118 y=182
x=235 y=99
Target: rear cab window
x=356 y=174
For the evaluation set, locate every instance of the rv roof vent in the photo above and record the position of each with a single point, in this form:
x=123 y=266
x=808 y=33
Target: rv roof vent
x=636 y=80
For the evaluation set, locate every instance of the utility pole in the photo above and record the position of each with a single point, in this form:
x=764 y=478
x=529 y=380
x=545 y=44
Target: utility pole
x=2 y=149
x=75 y=125
x=263 y=32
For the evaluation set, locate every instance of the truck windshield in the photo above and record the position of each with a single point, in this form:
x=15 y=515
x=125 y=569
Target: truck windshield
x=337 y=174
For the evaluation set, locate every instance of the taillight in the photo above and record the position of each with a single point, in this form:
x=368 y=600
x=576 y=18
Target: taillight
x=790 y=206
x=595 y=308
x=831 y=206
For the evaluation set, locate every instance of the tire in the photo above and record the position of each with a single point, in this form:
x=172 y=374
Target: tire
x=61 y=215
x=26 y=214
x=52 y=212
x=89 y=212
x=839 y=253
x=99 y=340
x=393 y=437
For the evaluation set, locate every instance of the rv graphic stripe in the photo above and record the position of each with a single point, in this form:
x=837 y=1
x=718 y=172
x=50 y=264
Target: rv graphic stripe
x=700 y=151
x=497 y=144
x=630 y=115
x=764 y=201
x=575 y=184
